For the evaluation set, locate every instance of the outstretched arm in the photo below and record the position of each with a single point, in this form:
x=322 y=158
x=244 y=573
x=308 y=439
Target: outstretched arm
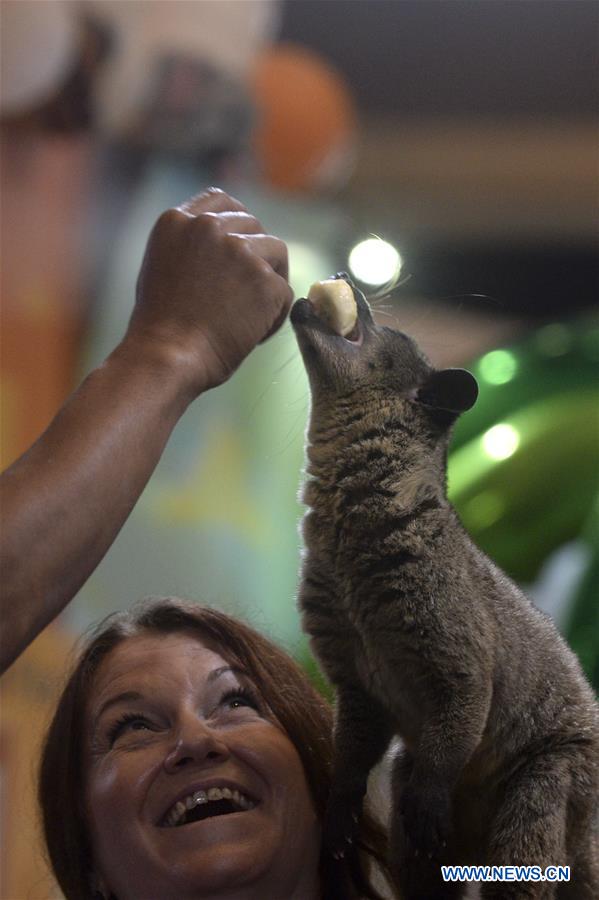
x=212 y=285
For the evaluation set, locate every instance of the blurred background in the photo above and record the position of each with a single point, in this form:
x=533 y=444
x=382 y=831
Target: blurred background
x=447 y=148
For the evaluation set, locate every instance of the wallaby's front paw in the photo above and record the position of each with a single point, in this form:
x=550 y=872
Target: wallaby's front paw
x=341 y=823
x=426 y=816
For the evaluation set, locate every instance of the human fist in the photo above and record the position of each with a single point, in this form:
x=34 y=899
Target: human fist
x=212 y=285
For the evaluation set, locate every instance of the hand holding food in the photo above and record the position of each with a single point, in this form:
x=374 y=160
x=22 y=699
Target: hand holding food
x=212 y=286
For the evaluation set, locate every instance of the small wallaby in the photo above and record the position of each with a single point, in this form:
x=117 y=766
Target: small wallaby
x=424 y=638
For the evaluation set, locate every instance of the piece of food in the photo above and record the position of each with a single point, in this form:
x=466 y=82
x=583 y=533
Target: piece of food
x=334 y=302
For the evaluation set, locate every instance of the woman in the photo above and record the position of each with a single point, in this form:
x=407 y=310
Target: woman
x=189 y=757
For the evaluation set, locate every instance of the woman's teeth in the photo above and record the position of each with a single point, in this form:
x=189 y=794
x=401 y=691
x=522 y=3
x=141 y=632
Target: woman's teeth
x=176 y=815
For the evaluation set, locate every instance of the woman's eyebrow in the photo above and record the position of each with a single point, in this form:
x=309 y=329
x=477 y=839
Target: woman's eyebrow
x=125 y=696
x=222 y=670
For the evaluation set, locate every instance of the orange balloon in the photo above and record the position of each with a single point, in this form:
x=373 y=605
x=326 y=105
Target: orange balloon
x=306 y=118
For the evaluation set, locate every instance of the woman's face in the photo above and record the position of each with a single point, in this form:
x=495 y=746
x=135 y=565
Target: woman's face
x=170 y=727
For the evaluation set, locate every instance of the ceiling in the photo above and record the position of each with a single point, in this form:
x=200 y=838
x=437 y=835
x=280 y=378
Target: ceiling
x=459 y=58
x=478 y=148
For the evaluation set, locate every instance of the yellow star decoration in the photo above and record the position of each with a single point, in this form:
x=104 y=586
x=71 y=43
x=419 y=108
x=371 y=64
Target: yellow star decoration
x=215 y=492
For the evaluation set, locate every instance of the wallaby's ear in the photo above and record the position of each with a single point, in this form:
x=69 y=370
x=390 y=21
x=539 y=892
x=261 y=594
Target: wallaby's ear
x=450 y=391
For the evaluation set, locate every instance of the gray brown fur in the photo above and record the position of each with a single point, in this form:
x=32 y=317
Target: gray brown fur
x=425 y=638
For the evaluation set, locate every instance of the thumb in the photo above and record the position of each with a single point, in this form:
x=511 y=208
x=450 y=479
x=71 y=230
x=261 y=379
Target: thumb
x=280 y=318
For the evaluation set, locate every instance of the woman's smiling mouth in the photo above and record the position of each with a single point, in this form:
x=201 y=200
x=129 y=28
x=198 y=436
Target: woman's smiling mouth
x=205 y=803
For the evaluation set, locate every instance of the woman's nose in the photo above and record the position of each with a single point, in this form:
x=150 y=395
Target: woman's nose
x=195 y=743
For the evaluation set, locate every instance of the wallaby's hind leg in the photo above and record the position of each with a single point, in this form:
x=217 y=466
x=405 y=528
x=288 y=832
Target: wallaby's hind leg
x=582 y=837
x=584 y=872
x=529 y=828
x=419 y=877
x=363 y=731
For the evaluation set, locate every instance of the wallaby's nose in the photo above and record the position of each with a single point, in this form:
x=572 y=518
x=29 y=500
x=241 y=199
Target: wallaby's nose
x=345 y=277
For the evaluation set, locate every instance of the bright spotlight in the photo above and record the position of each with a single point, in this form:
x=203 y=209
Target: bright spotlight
x=501 y=441
x=375 y=261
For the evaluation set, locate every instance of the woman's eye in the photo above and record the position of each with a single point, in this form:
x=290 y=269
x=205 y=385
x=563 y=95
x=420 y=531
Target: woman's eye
x=236 y=702
x=138 y=724
x=237 y=698
x=127 y=724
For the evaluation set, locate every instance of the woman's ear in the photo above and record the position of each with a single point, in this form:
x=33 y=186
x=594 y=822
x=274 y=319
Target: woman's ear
x=449 y=391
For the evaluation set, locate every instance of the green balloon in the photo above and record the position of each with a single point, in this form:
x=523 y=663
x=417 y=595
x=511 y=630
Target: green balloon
x=523 y=467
